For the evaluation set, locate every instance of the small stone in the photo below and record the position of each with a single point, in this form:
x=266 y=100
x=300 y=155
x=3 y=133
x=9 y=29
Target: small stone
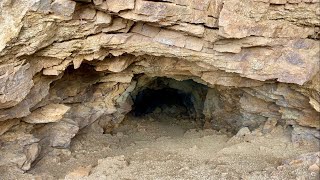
x=79 y=173
x=184 y=169
x=224 y=174
x=296 y=162
x=280 y=168
x=193 y=148
x=51 y=72
x=314 y=168
x=243 y=132
x=97 y=2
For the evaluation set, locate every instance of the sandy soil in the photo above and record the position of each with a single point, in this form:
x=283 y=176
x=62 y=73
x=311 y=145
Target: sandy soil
x=161 y=147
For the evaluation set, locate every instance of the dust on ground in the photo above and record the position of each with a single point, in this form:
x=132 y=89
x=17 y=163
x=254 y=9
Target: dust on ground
x=157 y=146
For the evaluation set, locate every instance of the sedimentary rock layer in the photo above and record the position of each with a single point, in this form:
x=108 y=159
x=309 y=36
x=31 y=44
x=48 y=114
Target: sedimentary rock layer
x=67 y=64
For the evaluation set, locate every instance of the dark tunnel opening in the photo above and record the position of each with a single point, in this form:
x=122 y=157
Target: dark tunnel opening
x=165 y=99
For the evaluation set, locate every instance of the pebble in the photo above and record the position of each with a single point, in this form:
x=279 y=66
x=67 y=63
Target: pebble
x=280 y=168
x=314 y=168
x=243 y=132
x=79 y=173
x=296 y=162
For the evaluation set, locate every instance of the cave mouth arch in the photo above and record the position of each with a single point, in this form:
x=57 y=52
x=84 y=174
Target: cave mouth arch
x=177 y=98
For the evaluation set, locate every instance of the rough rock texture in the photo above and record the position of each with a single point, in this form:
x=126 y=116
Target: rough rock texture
x=67 y=64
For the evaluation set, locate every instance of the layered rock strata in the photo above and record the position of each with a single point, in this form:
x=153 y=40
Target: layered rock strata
x=65 y=65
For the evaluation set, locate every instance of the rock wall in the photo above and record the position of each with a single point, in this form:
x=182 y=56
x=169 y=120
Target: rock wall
x=67 y=64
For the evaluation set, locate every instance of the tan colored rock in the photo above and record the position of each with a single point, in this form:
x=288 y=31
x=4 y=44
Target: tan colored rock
x=215 y=8
x=118 y=24
x=15 y=83
x=10 y=21
x=239 y=20
x=194 y=43
x=231 y=48
x=6 y=125
x=225 y=79
x=302 y=136
x=269 y=125
x=47 y=114
x=80 y=172
x=121 y=77
x=103 y=18
x=211 y=35
x=259 y=59
x=170 y=38
x=146 y=30
x=195 y=30
x=39 y=91
x=115 y=64
x=253 y=104
x=154 y=11
x=19 y=148
x=116 y=5
x=87 y=13
x=314 y=168
x=61 y=133
x=32 y=153
x=315 y=104
x=109 y=165
x=243 y=132
x=64 y=8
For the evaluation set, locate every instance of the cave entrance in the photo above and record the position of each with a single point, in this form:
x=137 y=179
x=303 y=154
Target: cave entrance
x=168 y=97
x=166 y=100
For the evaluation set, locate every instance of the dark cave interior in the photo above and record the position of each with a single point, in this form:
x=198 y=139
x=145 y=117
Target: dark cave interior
x=149 y=100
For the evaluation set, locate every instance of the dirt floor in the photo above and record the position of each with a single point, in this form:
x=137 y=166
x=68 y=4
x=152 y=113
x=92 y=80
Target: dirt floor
x=160 y=147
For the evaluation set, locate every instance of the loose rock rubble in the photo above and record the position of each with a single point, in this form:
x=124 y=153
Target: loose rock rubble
x=158 y=146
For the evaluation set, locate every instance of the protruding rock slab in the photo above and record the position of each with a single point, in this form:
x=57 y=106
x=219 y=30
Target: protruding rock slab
x=47 y=114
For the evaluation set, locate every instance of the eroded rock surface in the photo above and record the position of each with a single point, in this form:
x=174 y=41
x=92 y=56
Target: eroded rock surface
x=66 y=65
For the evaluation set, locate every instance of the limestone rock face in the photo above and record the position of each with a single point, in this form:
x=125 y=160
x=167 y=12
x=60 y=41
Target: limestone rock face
x=66 y=64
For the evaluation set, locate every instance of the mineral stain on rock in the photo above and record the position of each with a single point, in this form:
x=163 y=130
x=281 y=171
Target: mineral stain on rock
x=294 y=58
